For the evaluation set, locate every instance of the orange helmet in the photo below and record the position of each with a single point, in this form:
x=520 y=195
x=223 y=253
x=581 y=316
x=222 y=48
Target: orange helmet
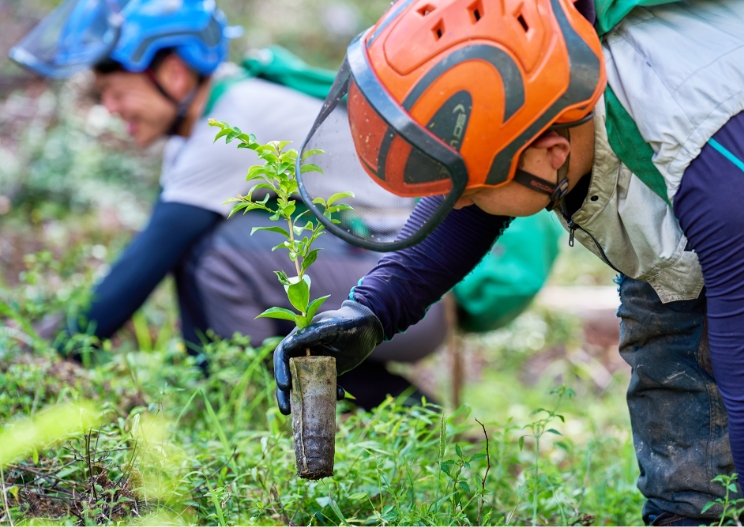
x=444 y=95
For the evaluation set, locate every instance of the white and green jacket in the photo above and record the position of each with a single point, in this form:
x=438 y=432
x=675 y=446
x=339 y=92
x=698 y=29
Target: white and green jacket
x=675 y=77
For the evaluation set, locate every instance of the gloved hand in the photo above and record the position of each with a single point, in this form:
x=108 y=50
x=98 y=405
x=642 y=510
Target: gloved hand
x=348 y=334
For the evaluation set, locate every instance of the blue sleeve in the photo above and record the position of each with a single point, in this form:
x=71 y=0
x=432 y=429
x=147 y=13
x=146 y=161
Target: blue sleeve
x=172 y=230
x=403 y=284
x=708 y=205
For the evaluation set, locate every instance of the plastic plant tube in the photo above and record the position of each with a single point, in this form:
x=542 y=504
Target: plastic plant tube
x=313 y=400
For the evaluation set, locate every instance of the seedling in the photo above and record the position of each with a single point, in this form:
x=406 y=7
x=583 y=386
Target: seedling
x=313 y=378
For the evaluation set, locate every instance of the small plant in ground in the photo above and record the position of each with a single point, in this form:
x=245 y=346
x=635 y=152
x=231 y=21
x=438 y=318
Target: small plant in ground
x=537 y=430
x=313 y=397
x=732 y=509
x=277 y=176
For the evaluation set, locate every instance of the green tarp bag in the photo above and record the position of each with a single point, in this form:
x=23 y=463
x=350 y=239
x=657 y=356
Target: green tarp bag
x=611 y=12
x=278 y=65
x=507 y=279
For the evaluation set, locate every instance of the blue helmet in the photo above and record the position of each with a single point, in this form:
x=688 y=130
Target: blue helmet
x=81 y=33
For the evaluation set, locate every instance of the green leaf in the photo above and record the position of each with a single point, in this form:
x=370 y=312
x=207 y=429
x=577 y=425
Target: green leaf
x=315 y=305
x=250 y=139
x=477 y=457
x=221 y=133
x=446 y=466
x=284 y=167
x=282 y=276
x=553 y=431
x=459 y=451
x=708 y=506
x=280 y=146
x=278 y=312
x=299 y=295
x=357 y=496
x=338 y=512
x=310 y=153
x=283 y=245
x=246 y=207
x=254 y=188
x=310 y=167
x=340 y=207
x=238 y=208
x=300 y=215
x=272 y=159
x=277 y=230
x=268 y=148
x=301 y=322
x=288 y=209
x=256 y=171
x=338 y=196
x=62 y=474
x=521 y=443
x=298 y=229
x=309 y=259
x=464 y=486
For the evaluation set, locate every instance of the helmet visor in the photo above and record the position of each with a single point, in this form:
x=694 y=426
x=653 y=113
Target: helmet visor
x=73 y=37
x=371 y=174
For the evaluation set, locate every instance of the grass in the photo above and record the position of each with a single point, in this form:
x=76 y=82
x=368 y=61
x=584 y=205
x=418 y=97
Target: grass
x=171 y=446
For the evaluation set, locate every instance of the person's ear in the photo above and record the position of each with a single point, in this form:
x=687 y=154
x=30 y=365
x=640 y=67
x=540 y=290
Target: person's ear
x=556 y=146
x=175 y=76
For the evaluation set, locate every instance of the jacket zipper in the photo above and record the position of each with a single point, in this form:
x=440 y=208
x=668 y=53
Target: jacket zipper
x=572 y=226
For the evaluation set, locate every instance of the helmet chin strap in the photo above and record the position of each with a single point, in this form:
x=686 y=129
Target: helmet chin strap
x=556 y=191
x=182 y=107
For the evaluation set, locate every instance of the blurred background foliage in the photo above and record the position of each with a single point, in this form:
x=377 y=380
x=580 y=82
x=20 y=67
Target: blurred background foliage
x=63 y=158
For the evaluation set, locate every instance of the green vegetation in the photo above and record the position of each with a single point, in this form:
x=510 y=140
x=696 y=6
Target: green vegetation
x=174 y=447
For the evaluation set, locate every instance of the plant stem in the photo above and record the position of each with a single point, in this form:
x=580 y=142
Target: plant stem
x=535 y=491
x=292 y=240
x=483 y=482
x=5 y=497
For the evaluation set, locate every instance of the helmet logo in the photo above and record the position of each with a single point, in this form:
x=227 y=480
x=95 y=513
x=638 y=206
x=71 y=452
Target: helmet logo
x=460 y=124
x=451 y=120
x=449 y=124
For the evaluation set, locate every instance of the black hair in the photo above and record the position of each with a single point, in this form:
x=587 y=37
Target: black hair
x=108 y=65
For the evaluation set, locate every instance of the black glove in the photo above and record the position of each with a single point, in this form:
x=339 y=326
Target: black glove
x=348 y=334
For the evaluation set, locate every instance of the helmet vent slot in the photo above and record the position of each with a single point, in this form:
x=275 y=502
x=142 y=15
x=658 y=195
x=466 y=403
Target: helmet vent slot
x=439 y=30
x=523 y=23
x=476 y=11
x=423 y=11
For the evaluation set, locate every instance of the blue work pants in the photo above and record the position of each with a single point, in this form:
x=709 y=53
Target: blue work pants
x=680 y=426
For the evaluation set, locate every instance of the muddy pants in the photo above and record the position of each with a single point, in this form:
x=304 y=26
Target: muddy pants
x=680 y=427
x=228 y=280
